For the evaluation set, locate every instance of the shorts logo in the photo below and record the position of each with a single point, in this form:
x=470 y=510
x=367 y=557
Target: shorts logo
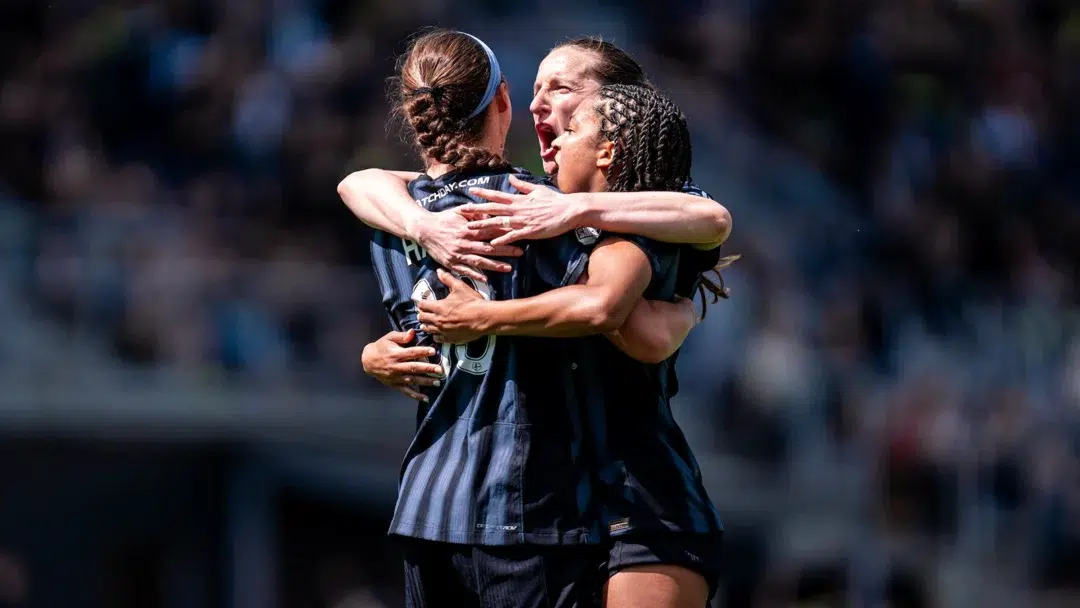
x=492 y=527
x=586 y=235
x=619 y=525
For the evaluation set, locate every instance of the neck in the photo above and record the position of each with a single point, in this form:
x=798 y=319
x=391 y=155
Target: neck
x=436 y=170
x=599 y=182
x=492 y=142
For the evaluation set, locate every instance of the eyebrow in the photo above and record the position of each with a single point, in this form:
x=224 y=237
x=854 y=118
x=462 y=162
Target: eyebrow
x=556 y=81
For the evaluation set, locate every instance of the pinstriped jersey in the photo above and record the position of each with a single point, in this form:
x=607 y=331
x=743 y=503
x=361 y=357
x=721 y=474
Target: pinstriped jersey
x=497 y=457
x=649 y=479
x=693 y=263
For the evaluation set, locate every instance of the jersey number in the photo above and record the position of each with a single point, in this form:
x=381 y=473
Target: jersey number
x=457 y=355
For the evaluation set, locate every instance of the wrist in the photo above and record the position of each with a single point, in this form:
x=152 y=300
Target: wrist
x=583 y=210
x=365 y=359
x=479 y=320
x=416 y=224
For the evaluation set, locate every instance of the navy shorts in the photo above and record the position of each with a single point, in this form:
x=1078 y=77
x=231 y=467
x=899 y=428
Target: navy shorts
x=701 y=553
x=470 y=576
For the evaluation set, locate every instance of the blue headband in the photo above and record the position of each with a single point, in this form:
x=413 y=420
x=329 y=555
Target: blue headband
x=493 y=79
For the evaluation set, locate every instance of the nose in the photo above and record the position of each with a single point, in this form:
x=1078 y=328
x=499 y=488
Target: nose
x=538 y=103
x=556 y=144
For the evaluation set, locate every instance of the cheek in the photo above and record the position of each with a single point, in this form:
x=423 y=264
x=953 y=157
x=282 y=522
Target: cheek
x=575 y=168
x=564 y=108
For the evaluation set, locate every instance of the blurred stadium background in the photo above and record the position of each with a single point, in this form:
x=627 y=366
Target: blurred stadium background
x=887 y=408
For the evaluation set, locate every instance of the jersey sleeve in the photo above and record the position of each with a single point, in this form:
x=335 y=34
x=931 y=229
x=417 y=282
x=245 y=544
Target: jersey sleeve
x=663 y=260
x=693 y=261
x=559 y=261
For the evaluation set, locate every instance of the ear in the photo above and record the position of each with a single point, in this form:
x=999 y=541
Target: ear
x=605 y=154
x=502 y=97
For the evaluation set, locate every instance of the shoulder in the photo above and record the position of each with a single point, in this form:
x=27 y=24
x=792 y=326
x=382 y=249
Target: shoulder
x=532 y=178
x=691 y=188
x=661 y=256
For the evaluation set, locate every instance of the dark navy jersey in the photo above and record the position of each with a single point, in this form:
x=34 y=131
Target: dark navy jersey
x=694 y=261
x=497 y=457
x=692 y=264
x=649 y=479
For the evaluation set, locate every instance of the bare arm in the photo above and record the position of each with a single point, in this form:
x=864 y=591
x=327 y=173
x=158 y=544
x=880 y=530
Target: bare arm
x=655 y=330
x=670 y=217
x=606 y=301
x=618 y=273
x=381 y=199
x=539 y=213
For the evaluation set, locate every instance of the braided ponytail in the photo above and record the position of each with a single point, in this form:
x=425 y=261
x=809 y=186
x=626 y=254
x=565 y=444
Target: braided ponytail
x=443 y=84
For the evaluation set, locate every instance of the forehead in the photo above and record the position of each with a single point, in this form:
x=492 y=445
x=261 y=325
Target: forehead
x=586 y=112
x=566 y=63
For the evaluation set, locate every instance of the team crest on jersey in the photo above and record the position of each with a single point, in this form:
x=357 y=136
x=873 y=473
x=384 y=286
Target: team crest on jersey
x=586 y=235
x=422 y=291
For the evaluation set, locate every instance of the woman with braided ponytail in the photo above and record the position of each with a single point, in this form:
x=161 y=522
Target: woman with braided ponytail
x=494 y=504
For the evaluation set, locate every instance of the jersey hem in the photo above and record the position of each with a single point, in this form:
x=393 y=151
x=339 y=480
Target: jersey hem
x=459 y=536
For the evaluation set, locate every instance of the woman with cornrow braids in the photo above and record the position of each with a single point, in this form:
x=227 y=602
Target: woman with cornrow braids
x=500 y=496
x=662 y=532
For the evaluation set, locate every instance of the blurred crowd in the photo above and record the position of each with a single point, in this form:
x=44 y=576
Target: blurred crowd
x=904 y=177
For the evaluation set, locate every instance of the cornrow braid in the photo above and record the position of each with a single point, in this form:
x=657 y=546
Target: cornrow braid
x=442 y=78
x=652 y=153
x=716 y=289
x=652 y=140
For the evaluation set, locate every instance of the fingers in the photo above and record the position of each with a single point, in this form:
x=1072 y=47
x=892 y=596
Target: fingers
x=418 y=369
x=480 y=246
x=421 y=380
x=433 y=331
x=415 y=353
x=401 y=337
x=506 y=251
x=451 y=281
x=486 y=264
x=523 y=186
x=497 y=225
x=487 y=231
x=482 y=210
x=494 y=196
x=513 y=237
x=412 y=393
x=477 y=275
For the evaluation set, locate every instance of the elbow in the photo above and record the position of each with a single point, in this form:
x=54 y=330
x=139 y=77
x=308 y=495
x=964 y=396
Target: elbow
x=348 y=187
x=643 y=346
x=654 y=346
x=344 y=187
x=721 y=225
x=652 y=354
x=603 y=314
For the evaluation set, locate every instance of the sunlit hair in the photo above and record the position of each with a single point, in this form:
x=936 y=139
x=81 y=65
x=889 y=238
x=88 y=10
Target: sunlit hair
x=612 y=66
x=440 y=81
x=652 y=153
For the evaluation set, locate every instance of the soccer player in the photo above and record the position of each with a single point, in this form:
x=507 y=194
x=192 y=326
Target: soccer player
x=572 y=71
x=494 y=516
x=665 y=533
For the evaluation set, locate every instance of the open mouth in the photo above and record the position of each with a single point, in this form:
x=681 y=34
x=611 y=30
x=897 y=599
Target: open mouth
x=546 y=135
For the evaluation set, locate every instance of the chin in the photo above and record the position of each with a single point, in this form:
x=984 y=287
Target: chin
x=551 y=168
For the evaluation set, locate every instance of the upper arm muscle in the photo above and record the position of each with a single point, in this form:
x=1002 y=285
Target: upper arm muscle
x=620 y=266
